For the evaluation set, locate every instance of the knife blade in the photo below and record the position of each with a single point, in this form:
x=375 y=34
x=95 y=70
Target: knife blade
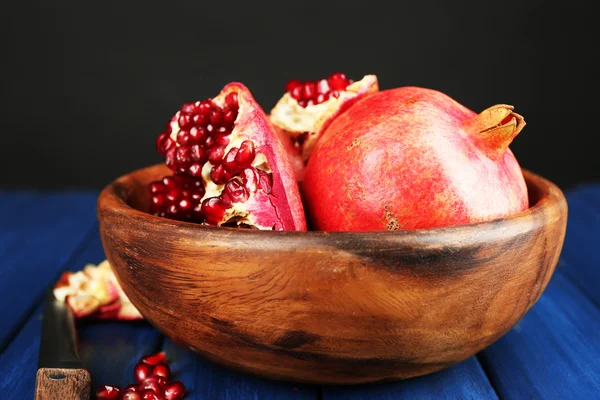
x=60 y=375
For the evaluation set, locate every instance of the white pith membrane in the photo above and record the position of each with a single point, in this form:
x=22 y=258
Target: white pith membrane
x=251 y=211
x=95 y=291
x=298 y=121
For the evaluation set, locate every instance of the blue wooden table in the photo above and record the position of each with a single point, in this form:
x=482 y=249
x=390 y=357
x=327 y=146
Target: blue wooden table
x=552 y=353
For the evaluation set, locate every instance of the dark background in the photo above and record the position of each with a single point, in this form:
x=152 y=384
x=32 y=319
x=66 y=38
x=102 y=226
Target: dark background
x=87 y=87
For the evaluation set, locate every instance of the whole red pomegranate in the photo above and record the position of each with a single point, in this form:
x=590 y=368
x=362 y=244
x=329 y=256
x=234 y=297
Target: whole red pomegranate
x=411 y=158
x=230 y=167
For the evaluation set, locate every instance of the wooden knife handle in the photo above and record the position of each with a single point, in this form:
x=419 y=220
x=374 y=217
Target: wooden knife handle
x=62 y=384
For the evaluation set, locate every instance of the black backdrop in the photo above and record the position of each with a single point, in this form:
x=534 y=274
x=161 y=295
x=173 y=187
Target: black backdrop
x=87 y=86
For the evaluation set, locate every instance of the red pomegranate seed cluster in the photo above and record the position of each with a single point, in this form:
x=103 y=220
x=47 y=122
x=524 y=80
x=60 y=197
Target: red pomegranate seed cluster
x=177 y=197
x=316 y=92
x=152 y=375
x=204 y=130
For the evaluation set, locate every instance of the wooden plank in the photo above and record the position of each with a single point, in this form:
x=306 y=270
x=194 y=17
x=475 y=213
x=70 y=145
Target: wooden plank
x=553 y=352
x=13 y=214
x=580 y=255
x=18 y=363
x=48 y=234
x=109 y=350
x=465 y=380
x=208 y=381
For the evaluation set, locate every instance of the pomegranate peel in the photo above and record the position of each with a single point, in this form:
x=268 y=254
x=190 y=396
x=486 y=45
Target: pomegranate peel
x=422 y=160
x=305 y=123
x=247 y=177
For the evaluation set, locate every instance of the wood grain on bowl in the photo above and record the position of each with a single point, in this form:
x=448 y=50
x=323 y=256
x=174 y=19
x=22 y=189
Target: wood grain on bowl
x=332 y=308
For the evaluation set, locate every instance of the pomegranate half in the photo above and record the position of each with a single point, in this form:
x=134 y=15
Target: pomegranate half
x=412 y=158
x=231 y=168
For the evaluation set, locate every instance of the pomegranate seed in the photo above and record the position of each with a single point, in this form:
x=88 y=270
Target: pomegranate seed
x=157 y=187
x=337 y=76
x=132 y=388
x=338 y=81
x=195 y=170
x=236 y=191
x=296 y=92
x=189 y=108
x=108 y=392
x=152 y=385
x=162 y=370
x=183 y=156
x=210 y=128
x=185 y=121
x=185 y=205
x=322 y=86
x=292 y=84
x=309 y=90
x=229 y=161
x=250 y=178
x=158 y=201
x=198 y=153
x=216 y=117
x=170 y=182
x=205 y=107
x=200 y=120
x=221 y=139
x=131 y=396
x=232 y=100
x=151 y=395
x=174 y=391
x=335 y=93
x=321 y=98
x=162 y=381
x=164 y=143
x=229 y=116
x=245 y=154
x=265 y=181
x=198 y=134
x=215 y=154
x=219 y=175
x=213 y=209
x=170 y=159
x=141 y=371
x=302 y=103
x=183 y=138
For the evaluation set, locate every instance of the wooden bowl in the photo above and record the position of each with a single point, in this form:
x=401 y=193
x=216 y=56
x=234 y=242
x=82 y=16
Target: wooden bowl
x=331 y=308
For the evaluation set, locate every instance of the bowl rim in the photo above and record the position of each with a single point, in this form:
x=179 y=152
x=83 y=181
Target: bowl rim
x=113 y=199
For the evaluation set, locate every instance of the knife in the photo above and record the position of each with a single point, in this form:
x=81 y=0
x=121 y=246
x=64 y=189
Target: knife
x=60 y=375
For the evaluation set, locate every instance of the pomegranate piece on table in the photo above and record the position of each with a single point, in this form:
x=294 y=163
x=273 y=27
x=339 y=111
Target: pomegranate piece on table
x=307 y=108
x=418 y=159
x=230 y=149
x=94 y=292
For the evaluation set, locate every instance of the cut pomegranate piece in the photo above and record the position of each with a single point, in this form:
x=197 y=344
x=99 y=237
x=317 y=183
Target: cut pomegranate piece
x=95 y=293
x=215 y=142
x=307 y=108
